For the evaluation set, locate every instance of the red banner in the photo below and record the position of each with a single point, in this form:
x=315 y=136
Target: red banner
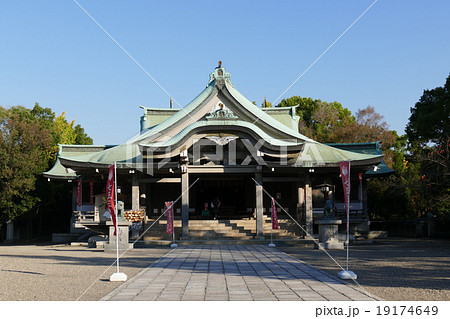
x=110 y=198
x=360 y=187
x=91 y=192
x=79 y=194
x=169 y=212
x=274 y=215
x=345 y=175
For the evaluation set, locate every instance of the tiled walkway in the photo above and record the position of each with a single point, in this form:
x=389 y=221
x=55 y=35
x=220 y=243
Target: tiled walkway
x=233 y=272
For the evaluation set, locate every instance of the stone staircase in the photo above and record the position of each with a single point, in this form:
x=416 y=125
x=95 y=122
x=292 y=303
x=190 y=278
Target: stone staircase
x=238 y=229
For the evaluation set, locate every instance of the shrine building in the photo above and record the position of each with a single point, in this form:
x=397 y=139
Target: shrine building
x=222 y=150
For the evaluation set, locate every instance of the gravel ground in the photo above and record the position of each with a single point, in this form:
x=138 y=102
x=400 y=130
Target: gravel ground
x=48 y=272
x=392 y=269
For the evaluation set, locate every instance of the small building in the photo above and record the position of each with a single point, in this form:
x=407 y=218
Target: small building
x=219 y=150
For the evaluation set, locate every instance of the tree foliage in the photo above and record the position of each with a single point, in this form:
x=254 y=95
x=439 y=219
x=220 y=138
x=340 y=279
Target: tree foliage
x=430 y=117
x=319 y=120
x=23 y=144
x=428 y=132
x=28 y=146
x=421 y=186
x=330 y=122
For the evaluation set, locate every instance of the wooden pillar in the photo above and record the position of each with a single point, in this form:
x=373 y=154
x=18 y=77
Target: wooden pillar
x=364 y=205
x=184 y=205
x=74 y=208
x=259 y=206
x=74 y=197
x=135 y=192
x=9 y=232
x=308 y=206
x=364 y=197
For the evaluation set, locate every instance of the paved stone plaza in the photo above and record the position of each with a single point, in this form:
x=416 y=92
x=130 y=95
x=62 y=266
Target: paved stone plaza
x=233 y=272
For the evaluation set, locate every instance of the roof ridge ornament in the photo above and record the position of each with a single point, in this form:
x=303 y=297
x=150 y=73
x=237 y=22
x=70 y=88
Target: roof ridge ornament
x=221 y=112
x=219 y=77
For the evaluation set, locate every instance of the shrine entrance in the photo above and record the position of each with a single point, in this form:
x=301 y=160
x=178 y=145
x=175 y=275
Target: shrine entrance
x=230 y=197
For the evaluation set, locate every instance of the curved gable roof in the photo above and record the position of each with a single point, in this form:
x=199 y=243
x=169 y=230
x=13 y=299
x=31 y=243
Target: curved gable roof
x=194 y=117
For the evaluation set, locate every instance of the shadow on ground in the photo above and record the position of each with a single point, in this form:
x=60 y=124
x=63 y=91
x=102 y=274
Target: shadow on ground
x=396 y=262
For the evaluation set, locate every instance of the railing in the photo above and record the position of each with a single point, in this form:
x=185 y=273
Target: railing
x=86 y=217
x=354 y=214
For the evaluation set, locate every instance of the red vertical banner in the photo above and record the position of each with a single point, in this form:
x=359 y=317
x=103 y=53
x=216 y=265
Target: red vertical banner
x=360 y=187
x=274 y=215
x=79 y=194
x=169 y=212
x=345 y=175
x=110 y=196
x=91 y=192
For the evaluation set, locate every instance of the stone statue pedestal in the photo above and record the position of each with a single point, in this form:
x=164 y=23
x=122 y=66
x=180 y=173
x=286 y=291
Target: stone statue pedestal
x=123 y=236
x=328 y=234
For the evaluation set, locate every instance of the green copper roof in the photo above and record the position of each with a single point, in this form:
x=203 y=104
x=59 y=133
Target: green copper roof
x=223 y=124
x=277 y=126
x=284 y=115
x=155 y=116
x=60 y=172
x=368 y=149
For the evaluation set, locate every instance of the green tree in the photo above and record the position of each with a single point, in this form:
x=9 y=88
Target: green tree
x=395 y=197
x=23 y=145
x=429 y=122
x=305 y=107
x=28 y=146
x=428 y=132
x=421 y=186
x=81 y=138
x=327 y=122
x=330 y=122
x=265 y=103
x=369 y=126
x=320 y=120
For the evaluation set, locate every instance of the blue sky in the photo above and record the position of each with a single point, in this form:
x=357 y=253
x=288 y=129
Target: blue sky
x=51 y=52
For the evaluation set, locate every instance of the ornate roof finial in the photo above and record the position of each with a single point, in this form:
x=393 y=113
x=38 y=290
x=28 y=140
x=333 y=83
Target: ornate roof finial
x=220 y=64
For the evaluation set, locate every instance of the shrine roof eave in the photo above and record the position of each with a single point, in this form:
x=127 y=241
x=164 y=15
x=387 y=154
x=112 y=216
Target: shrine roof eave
x=369 y=148
x=226 y=126
x=78 y=157
x=321 y=155
x=363 y=163
x=59 y=172
x=74 y=164
x=81 y=152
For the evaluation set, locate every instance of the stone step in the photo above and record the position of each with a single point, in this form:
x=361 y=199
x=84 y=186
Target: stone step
x=227 y=241
x=204 y=229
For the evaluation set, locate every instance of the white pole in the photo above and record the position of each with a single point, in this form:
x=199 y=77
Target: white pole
x=348 y=233
x=348 y=274
x=118 y=276
x=117 y=222
x=348 y=214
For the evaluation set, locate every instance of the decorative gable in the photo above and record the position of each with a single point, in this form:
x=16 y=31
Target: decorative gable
x=221 y=112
